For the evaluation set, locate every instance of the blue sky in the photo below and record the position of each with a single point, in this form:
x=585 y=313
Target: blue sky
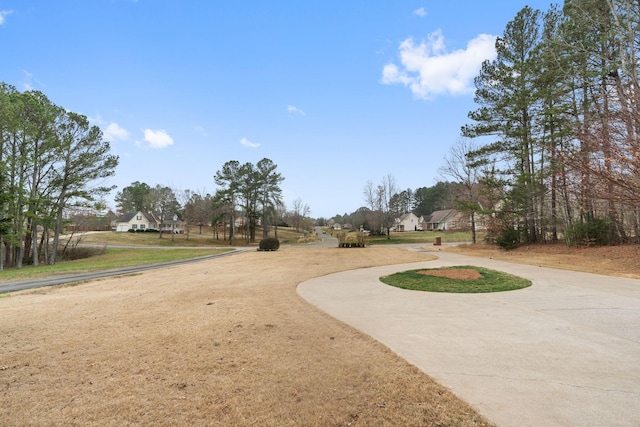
x=335 y=92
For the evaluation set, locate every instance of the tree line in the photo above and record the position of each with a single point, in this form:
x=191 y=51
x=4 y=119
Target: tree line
x=255 y=189
x=561 y=102
x=51 y=160
x=248 y=195
x=560 y=108
x=385 y=202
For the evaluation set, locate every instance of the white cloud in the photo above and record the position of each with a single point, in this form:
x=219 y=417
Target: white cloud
x=4 y=13
x=157 y=138
x=28 y=83
x=201 y=131
x=295 y=110
x=428 y=69
x=421 y=12
x=114 y=131
x=247 y=143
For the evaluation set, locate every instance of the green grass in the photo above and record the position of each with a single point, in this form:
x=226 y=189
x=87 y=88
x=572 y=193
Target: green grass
x=491 y=281
x=167 y=248
x=113 y=258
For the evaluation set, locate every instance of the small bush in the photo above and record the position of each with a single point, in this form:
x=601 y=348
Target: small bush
x=508 y=238
x=599 y=232
x=80 y=252
x=269 y=244
x=131 y=230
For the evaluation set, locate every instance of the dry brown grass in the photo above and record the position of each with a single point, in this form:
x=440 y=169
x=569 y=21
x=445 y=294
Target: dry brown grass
x=622 y=261
x=220 y=342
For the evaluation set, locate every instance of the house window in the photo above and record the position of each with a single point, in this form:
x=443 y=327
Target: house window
x=141 y=226
x=138 y=217
x=134 y=226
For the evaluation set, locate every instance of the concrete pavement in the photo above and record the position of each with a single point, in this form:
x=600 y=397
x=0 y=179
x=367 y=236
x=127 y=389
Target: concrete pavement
x=563 y=352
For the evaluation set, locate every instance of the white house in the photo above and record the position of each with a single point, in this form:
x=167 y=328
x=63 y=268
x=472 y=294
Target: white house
x=146 y=221
x=407 y=222
x=454 y=220
x=136 y=221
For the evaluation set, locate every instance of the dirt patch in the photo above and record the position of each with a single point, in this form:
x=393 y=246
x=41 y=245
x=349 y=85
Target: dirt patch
x=219 y=342
x=454 y=273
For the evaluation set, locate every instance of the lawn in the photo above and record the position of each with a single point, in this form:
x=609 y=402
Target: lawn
x=130 y=249
x=113 y=258
x=459 y=279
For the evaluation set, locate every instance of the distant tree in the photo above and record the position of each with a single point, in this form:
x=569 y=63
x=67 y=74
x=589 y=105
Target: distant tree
x=163 y=204
x=430 y=199
x=198 y=209
x=270 y=192
x=255 y=188
x=379 y=199
x=228 y=178
x=459 y=166
x=134 y=198
x=403 y=201
x=299 y=212
x=360 y=218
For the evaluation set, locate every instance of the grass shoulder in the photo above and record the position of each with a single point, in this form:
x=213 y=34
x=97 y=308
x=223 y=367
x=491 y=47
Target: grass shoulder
x=112 y=258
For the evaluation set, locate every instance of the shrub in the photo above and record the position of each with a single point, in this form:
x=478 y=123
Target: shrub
x=269 y=244
x=131 y=230
x=598 y=232
x=80 y=252
x=509 y=238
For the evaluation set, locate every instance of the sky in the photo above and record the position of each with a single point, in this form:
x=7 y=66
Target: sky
x=337 y=93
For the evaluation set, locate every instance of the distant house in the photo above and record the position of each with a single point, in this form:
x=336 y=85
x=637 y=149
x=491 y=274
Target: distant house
x=447 y=219
x=171 y=226
x=452 y=220
x=136 y=221
x=146 y=221
x=407 y=222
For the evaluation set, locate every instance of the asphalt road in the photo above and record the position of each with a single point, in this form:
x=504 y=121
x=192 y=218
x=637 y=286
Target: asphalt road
x=327 y=239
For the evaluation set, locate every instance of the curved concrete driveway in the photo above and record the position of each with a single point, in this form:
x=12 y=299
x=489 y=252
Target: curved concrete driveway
x=563 y=352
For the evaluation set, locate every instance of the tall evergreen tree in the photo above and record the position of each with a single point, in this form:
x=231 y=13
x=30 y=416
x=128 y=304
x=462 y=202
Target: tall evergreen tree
x=270 y=192
x=507 y=95
x=83 y=162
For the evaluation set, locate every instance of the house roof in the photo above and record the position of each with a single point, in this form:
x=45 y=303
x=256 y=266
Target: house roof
x=405 y=216
x=128 y=216
x=438 y=217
